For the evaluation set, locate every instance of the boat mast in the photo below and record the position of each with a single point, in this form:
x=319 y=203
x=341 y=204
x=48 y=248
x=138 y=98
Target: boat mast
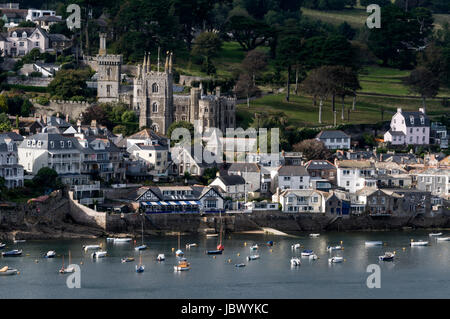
x=178 y=240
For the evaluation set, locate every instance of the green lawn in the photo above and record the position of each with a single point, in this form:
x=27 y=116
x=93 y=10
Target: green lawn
x=302 y=113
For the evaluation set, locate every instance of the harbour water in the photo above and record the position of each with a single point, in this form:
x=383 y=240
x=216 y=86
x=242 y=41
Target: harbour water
x=416 y=272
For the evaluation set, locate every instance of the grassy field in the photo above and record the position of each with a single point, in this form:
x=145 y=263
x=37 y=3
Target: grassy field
x=301 y=112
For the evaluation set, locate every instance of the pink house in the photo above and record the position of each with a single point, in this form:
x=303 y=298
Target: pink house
x=409 y=128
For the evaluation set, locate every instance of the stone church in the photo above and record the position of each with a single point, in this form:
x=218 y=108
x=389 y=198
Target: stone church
x=153 y=99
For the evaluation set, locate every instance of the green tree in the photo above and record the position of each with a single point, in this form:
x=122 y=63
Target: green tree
x=3 y=104
x=207 y=45
x=424 y=83
x=69 y=83
x=26 y=108
x=180 y=124
x=47 y=178
x=5 y=123
x=248 y=32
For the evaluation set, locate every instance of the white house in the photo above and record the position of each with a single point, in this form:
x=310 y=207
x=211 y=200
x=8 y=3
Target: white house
x=231 y=185
x=34 y=14
x=20 y=41
x=355 y=175
x=154 y=156
x=10 y=170
x=436 y=181
x=334 y=139
x=409 y=128
x=293 y=177
x=301 y=201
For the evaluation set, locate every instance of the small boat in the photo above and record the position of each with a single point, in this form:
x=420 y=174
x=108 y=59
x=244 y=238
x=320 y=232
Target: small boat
x=239 y=265
x=127 y=259
x=374 y=243
x=19 y=241
x=211 y=235
x=122 y=240
x=313 y=257
x=2 y=246
x=50 y=254
x=161 y=257
x=141 y=247
x=183 y=265
x=252 y=257
x=12 y=253
x=214 y=252
x=295 y=261
x=179 y=253
x=334 y=260
x=140 y=268
x=98 y=254
x=331 y=248
x=307 y=253
x=254 y=247
x=435 y=234
x=110 y=238
x=191 y=245
x=388 y=256
x=91 y=247
x=220 y=247
x=443 y=239
x=6 y=271
x=269 y=243
x=296 y=246
x=314 y=235
x=419 y=243
x=69 y=269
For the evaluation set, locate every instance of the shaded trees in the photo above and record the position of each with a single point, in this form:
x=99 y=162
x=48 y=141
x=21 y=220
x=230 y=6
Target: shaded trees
x=424 y=83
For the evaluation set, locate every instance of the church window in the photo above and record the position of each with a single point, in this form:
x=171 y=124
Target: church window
x=155 y=107
x=154 y=88
x=108 y=72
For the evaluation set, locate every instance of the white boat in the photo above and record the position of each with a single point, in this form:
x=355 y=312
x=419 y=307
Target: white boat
x=122 y=240
x=19 y=241
x=388 y=256
x=295 y=261
x=254 y=247
x=443 y=239
x=161 y=257
x=419 y=243
x=69 y=269
x=435 y=234
x=2 y=245
x=252 y=257
x=334 y=260
x=191 y=245
x=183 y=265
x=296 y=246
x=6 y=271
x=314 y=235
x=331 y=248
x=211 y=235
x=374 y=243
x=307 y=253
x=313 y=257
x=50 y=254
x=110 y=238
x=91 y=247
x=179 y=253
x=98 y=254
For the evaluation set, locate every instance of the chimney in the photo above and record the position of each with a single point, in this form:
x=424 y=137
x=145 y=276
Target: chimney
x=67 y=118
x=399 y=110
x=102 y=49
x=94 y=123
x=422 y=110
x=218 y=91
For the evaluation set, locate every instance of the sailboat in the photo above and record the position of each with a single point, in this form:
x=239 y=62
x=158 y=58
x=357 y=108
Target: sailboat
x=179 y=252
x=220 y=246
x=140 y=268
x=142 y=246
x=69 y=269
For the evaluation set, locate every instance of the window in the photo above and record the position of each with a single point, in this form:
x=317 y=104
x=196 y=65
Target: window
x=37 y=36
x=422 y=120
x=62 y=144
x=155 y=88
x=69 y=144
x=155 y=107
x=24 y=34
x=411 y=119
x=21 y=44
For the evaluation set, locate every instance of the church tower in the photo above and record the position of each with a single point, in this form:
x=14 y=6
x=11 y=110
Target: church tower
x=153 y=95
x=109 y=69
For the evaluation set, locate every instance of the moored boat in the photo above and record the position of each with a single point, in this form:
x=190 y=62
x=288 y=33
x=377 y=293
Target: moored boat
x=2 y=245
x=373 y=243
x=435 y=234
x=6 y=271
x=314 y=235
x=122 y=240
x=307 y=253
x=211 y=235
x=50 y=254
x=335 y=259
x=141 y=247
x=98 y=254
x=12 y=253
x=254 y=247
x=140 y=268
x=443 y=239
x=161 y=257
x=295 y=261
x=252 y=257
x=239 y=265
x=191 y=245
x=269 y=243
x=419 y=243
x=127 y=259
x=214 y=252
x=69 y=269
x=388 y=256
x=19 y=241
x=179 y=253
x=183 y=265
x=313 y=257
x=296 y=246
x=91 y=247
x=331 y=248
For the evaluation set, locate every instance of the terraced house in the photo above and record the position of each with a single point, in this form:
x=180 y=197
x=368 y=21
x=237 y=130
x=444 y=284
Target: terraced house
x=10 y=170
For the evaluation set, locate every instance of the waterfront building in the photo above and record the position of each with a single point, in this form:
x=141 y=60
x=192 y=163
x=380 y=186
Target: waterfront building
x=233 y=186
x=154 y=156
x=334 y=139
x=301 y=201
x=321 y=169
x=13 y=136
x=439 y=135
x=434 y=180
x=10 y=169
x=180 y=199
x=293 y=177
x=251 y=174
x=409 y=128
x=355 y=175
x=88 y=194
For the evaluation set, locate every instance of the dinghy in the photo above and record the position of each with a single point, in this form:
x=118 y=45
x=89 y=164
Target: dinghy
x=50 y=254
x=141 y=247
x=19 y=241
x=269 y=243
x=127 y=259
x=307 y=253
x=388 y=256
x=295 y=261
x=179 y=253
x=254 y=247
x=374 y=243
x=252 y=257
x=435 y=234
x=161 y=257
x=91 y=247
x=12 y=253
x=98 y=254
x=211 y=235
x=313 y=257
x=314 y=235
x=2 y=246
x=183 y=265
x=239 y=265
x=6 y=271
x=121 y=240
x=69 y=269
x=443 y=239
x=334 y=260
x=419 y=243
x=191 y=245
x=296 y=246
x=331 y=248
x=140 y=268
x=214 y=252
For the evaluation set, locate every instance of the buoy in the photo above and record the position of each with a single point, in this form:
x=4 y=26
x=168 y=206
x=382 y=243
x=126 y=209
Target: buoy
x=245 y=244
x=36 y=261
x=345 y=259
x=18 y=272
x=404 y=248
x=342 y=248
x=173 y=249
x=238 y=254
x=271 y=250
x=214 y=257
x=81 y=262
x=341 y=241
x=229 y=260
x=27 y=254
x=385 y=244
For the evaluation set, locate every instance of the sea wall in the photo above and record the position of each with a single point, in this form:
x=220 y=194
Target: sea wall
x=83 y=215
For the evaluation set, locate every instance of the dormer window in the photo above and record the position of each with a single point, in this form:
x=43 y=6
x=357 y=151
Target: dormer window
x=422 y=120
x=24 y=34
x=14 y=34
x=69 y=144
x=39 y=144
x=52 y=145
x=28 y=143
x=62 y=144
x=37 y=35
x=10 y=147
x=411 y=119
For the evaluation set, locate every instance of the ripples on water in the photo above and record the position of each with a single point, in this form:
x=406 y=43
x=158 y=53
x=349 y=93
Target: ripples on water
x=417 y=272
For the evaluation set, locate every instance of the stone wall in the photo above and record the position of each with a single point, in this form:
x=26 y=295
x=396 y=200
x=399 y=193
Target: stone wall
x=83 y=215
x=187 y=79
x=30 y=81
x=71 y=108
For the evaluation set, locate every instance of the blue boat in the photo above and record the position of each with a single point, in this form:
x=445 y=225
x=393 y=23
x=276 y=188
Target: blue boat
x=12 y=253
x=214 y=252
x=307 y=253
x=140 y=268
x=239 y=265
x=141 y=247
x=269 y=243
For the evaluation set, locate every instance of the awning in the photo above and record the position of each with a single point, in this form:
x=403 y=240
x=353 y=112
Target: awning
x=173 y=203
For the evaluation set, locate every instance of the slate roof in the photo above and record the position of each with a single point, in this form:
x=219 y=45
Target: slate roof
x=354 y=164
x=12 y=135
x=319 y=164
x=416 y=115
x=292 y=170
x=230 y=180
x=331 y=134
x=396 y=133
x=243 y=167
